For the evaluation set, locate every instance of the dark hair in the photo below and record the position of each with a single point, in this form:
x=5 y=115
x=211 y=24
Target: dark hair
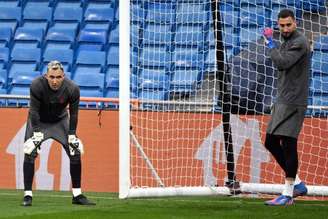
x=285 y=13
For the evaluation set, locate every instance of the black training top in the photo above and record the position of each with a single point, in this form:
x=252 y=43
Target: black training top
x=293 y=60
x=50 y=106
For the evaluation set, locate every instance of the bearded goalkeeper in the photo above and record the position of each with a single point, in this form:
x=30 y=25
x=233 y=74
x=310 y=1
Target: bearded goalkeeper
x=50 y=95
x=292 y=60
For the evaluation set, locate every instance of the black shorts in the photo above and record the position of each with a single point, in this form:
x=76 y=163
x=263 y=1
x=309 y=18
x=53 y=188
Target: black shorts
x=57 y=131
x=286 y=120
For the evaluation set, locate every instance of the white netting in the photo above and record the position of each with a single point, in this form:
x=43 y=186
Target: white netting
x=178 y=140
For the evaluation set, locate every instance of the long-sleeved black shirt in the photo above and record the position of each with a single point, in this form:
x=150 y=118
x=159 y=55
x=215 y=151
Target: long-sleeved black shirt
x=49 y=106
x=293 y=60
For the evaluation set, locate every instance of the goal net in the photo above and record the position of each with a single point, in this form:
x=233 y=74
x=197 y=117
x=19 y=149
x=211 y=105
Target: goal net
x=204 y=85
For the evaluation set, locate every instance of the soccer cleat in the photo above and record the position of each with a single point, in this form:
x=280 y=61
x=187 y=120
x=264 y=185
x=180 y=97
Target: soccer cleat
x=300 y=189
x=27 y=201
x=82 y=200
x=234 y=187
x=281 y=200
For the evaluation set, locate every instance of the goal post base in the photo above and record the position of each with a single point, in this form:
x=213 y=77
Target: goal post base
x=207 y=191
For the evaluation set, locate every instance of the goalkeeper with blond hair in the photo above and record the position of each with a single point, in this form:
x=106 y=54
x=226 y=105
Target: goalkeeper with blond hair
x=292 y=59
x=50 y=94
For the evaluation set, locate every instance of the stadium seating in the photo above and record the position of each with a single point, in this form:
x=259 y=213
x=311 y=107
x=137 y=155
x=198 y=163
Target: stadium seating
x=319 y=62
x=90 y=62
x=114 y=35
x=154 y=57
x=4 y=57
x=65 y=56
x=60 y=38
x=10 y=17
x=9 y=3
x=113 y=56
x=68 y=18
x=36 y=16
x=26 y=37
x=23 y=59
x=92 y=39
x=3 y=79
x=5 y=36
x=184 y=81
x=321 y=43
x=100 y=18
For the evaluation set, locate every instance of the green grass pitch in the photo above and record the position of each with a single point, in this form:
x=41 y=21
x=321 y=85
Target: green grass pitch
x=58 y=205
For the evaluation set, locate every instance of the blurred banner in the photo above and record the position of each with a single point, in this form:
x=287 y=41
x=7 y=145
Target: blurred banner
x=204 y=159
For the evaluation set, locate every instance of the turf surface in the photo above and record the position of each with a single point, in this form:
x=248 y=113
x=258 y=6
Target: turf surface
x=58 y=205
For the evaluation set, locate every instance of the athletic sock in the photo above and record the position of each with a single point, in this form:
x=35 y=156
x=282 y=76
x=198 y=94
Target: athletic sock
x=28 y=192
x=297 y=180
x=76 y=191
x=289 y=187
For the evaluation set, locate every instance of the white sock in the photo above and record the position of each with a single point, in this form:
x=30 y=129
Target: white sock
x=76 y=191
x=28 y=192
x=297 y=180
x=289 y=187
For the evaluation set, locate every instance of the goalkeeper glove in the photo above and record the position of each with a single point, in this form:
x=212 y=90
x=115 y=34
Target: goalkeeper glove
x=32 y=145
x=268 y=37
x=75 y=145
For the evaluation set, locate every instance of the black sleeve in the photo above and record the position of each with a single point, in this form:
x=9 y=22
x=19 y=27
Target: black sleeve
x=35 y=102
x=283 y=60
x=73 y=110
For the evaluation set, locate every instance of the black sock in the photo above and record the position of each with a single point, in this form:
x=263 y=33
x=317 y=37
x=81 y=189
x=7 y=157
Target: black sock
x=28 y=170
x=75 y=170
x=272 y=143
x=289 y=146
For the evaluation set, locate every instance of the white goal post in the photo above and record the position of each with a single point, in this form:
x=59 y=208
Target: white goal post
x=173 y=143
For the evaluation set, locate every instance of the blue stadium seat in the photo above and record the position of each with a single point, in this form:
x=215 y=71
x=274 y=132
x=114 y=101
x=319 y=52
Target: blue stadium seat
x=23 y=90
x=60 y=38
x=321 y=43
x=91 y=85
x=319 y=62
x=113 y=56
x=191 y=35
x=99 y=17
x=138 y=13
x=319 y=85
x=4 y=57
x=155 y=34
x=192 y=13
x=5 y=36
x=90 y=61
x=153 y=79
x=186 y=58
x=28 y=38
x=9 y=3
x=253 y=2
x=252 y=16
x=37 y=3
x=68 y=3
x=155 y=57
x=184 y=80
x=67 y=17
x=319 y=100
x=112 y=78
x=3 y=79
x=210 y=60
x=314 y=6
x=134 y=34
x=229 y=16
x=90 y=4
x=160 y=12
x=229 y=37
x=65 y=56
x=36 y=16
x=3 y=101
x=23 y=59
x=10 y=17
x=114 y=35
x=249 y=35
x=152 y=95
x=92 y=39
